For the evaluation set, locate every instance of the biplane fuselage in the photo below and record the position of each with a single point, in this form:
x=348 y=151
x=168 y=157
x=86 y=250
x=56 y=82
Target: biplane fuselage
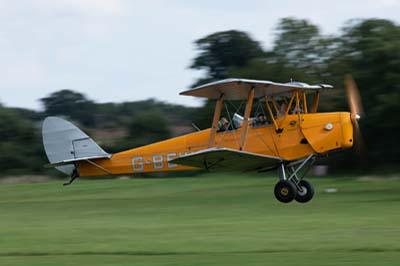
x=302 y=135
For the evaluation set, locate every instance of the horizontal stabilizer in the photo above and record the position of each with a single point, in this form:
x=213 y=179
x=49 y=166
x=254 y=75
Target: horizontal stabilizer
x=65 y=144
x=70 y=161
x=228 y=160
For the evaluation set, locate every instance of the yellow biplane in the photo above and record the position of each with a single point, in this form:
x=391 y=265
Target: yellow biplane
x=289 y=135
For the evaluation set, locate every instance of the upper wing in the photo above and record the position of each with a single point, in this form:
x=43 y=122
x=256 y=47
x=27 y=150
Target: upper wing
x=238 y=89
x=228 y=160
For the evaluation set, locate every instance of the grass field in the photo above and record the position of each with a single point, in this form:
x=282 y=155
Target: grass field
x=206 y=220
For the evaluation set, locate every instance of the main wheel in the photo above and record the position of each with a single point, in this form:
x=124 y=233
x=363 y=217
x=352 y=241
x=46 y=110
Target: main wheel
x=306 y=193
x=285 y=191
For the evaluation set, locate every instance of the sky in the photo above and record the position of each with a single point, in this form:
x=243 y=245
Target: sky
x=127 y=50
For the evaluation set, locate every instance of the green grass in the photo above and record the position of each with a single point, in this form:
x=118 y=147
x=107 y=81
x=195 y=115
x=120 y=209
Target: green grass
x=206 y=220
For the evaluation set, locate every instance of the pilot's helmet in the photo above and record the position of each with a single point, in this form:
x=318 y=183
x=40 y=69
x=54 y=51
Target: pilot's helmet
x=261 y=117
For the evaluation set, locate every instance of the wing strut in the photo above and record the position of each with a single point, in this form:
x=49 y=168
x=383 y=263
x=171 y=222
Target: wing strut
x=315 y=102
x=247 y=113
x=217 y=114
x=277 y=129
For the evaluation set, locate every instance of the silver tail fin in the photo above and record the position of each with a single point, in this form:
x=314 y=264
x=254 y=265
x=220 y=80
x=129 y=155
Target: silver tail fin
x=66 y=144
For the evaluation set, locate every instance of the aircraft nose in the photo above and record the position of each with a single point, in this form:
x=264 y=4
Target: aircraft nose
x=347 y=130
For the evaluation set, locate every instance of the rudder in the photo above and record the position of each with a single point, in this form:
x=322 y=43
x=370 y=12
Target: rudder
x=64 y=143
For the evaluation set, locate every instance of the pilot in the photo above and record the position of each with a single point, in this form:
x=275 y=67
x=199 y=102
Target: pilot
x=260 y=120
x=223 y=124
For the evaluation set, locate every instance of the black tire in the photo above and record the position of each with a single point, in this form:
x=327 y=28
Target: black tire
x=307 y=192
x=285 y=191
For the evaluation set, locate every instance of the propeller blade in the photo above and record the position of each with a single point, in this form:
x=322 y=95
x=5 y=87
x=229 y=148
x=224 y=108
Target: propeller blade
x=356 y=110
x=358 y=139
x=353 y=97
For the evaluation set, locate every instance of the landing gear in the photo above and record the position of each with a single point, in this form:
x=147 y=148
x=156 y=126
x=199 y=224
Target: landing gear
x=306 y=193
x=285 y=191
x=291 y=185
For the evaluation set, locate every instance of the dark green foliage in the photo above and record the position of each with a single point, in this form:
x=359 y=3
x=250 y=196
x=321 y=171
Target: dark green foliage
x=299 y=45
x=114 y=115
x=222 y=50
x=153 y=125
x=71 y=104
x=14 y=128
x=20 y=143
x=144 y=129
x=203 y=117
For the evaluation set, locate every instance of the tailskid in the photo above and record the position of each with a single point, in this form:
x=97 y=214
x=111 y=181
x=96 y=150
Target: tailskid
x=74 y=175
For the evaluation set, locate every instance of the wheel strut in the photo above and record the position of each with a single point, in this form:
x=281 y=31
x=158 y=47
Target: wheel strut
x=290 y=177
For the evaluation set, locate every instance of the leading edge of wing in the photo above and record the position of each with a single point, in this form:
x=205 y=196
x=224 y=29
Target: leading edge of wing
x=228 y=160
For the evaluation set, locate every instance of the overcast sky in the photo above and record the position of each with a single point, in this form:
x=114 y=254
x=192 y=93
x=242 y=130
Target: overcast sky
x=121 y=50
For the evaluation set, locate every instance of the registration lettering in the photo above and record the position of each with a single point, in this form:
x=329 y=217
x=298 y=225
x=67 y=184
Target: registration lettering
x=137 y=164
x=156 y=161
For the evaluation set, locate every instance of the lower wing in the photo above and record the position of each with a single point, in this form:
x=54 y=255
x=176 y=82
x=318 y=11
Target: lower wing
x=228 y=160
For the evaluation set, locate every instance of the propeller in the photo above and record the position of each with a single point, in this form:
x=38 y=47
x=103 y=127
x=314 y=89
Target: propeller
x=356 y=111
